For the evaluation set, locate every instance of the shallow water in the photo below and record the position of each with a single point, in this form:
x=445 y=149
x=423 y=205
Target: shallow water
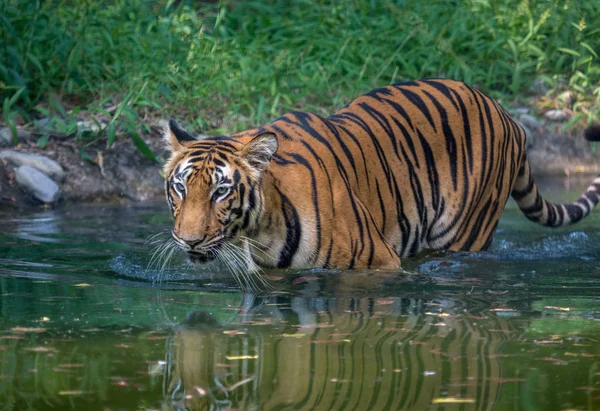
x=85 y=324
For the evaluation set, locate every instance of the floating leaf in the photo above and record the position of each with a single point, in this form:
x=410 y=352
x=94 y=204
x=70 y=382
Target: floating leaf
x=28 y=330
x=241 y=357
x=550 y=307
x=453 y=400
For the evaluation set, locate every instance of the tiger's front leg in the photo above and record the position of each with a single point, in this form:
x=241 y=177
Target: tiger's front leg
x=360 y=243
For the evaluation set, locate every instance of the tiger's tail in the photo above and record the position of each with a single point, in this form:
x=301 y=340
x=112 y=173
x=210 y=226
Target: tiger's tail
x=535 y=208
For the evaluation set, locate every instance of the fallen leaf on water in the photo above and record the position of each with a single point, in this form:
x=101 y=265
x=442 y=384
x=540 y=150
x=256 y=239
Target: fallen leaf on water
x=453 y=400
x=40 y=349
x=58 y=369
x=82 y=285
x=304 y=279
x=239 y=383
x=28 y=330
x=551 y=307
x=234 y=332
x=556 y=361
x=225 y=365
x=293 y=335
x=201 y=391
x=438 y=314
x=543 y=342
x=241 y=357
x=504 y=380
x=70 y=365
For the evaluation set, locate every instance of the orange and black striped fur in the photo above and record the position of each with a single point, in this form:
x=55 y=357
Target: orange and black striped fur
x=420 y=165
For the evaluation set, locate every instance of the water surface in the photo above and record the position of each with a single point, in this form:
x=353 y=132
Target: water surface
x=85 y=324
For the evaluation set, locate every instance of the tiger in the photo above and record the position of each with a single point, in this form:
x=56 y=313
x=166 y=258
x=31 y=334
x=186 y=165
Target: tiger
x=418 y=165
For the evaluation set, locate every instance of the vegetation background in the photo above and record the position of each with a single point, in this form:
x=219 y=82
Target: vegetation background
x=97 y=71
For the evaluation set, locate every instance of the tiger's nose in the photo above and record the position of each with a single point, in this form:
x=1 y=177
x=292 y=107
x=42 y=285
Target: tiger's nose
x=190 y=242
x=193 y=243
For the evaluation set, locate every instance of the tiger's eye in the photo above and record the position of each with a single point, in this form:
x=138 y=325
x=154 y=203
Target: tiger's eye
x=221 y=190
x=180 y=187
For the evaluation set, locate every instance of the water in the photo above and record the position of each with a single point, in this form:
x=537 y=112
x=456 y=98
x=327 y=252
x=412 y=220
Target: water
x=85 y=324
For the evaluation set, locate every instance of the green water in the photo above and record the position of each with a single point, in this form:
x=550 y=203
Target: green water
x=85 y=324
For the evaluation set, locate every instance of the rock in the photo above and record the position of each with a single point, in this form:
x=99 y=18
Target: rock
x=530 y=122
x=42 y=163
x=37 y=184
x=566 y=97
x=528 y=136
x=539 y=87
x=89 y=125
x=555 y=115
x=6 y=137
x=521 y=110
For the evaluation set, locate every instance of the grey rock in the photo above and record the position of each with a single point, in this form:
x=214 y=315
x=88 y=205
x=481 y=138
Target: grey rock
x=530 y=122
x=555 y=115
x=42 y=163
x=7 y=138
x=528 y=136
x=539 y=87
x=89 y=125
x=37 y=184
x=521 y=110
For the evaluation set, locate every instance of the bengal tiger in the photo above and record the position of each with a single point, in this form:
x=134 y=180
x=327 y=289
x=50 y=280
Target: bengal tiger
x=418 y=165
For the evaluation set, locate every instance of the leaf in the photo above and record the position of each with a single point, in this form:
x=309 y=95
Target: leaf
x=242 y=357
x=36 y=62
x=111 y=134
x=84 y=154
x=452 y=400
x=42 y=141
x=143 y=147
x=569 y=51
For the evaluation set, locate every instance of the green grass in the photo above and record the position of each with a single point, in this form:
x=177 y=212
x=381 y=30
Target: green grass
x=224 y=67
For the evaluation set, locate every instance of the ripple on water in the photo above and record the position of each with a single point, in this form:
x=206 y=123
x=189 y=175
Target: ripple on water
x=570 y=245
x=137 y=266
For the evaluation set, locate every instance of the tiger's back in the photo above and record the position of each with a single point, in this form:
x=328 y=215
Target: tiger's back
x=425 y=164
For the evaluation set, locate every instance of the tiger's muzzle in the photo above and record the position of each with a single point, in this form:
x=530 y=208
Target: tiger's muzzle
x=201 y=250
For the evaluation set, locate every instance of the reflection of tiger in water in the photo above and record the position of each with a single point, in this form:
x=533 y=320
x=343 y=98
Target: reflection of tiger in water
x=421 y=165
x=347 y=354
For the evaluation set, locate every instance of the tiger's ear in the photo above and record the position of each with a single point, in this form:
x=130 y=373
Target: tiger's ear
x=176 y=136
x=260 y=150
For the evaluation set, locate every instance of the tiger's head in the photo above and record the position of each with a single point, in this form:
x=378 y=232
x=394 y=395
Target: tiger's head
x=214 y=187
